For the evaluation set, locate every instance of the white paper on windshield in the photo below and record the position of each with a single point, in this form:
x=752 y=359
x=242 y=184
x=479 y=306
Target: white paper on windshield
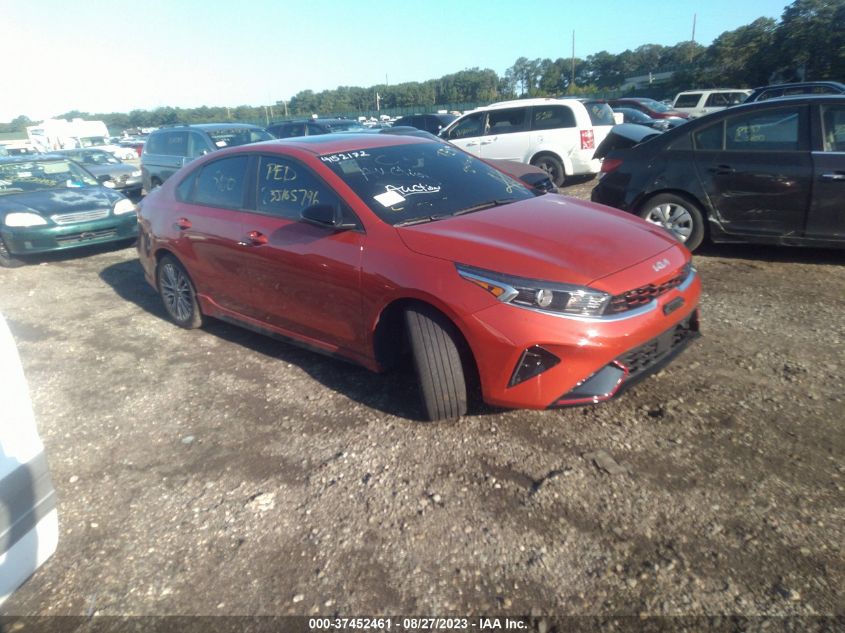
x=389 y=198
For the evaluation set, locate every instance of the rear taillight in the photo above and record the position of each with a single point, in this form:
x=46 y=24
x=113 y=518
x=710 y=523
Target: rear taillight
x=588 y=141
x=609 y=164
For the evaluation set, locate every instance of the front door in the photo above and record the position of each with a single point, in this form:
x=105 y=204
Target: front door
x=467 y=133
x=756 y=170
x=305 y=279
x=506 y=135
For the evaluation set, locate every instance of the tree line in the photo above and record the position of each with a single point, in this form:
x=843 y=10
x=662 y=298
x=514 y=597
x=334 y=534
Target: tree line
x=807 y=43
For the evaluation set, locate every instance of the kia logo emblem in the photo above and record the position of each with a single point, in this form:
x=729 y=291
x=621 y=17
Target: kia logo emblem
x=660 y=265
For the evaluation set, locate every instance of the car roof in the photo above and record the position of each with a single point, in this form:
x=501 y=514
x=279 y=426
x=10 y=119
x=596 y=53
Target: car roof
x=799 y=84
x=332 y=143
x=515 y=103
x=210 y=126
x=28 y=158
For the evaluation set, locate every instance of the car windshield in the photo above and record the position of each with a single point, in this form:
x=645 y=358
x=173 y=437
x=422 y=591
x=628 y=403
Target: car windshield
x=411 y=184
x=97 y=158
x=42 y=175
x=351 y=126
x=655 y=105
x=239 y=136
x=93 y=141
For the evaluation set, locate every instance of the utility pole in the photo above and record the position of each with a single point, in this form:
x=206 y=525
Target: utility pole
x=572 y=80
x=692 y=42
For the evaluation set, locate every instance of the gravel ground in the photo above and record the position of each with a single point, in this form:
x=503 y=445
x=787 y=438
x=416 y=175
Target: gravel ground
x=219 y=472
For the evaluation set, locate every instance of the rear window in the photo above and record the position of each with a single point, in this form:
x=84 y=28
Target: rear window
x=238 y=136
x=688 y=100
x=600 y=113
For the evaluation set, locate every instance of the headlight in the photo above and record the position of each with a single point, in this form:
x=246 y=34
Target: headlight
x=533 y=294
x=123 y=207
x=135 y=173
x=24 y=218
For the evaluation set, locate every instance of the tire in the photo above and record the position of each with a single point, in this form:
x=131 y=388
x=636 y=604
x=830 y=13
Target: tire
x=552 y=166
x=679 y=215
x=437 y=360
x=7 y=260
x=178 y=294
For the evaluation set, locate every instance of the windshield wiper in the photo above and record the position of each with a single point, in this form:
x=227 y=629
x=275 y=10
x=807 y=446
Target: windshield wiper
x=484 y=205
x=423 y=219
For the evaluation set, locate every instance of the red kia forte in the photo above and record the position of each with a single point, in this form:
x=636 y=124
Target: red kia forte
x=370 y=247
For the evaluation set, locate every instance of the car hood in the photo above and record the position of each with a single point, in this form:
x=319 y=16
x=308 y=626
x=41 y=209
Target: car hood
x=552 y=237
x=53 y=201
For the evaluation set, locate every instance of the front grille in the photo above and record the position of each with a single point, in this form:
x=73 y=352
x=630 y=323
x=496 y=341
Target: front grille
x=643 y=357
x=643 y=295
x=86 y=236
x=80 y=216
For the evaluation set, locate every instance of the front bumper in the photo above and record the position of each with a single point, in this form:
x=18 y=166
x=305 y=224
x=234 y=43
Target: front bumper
x=44 y=239
x=597 y=357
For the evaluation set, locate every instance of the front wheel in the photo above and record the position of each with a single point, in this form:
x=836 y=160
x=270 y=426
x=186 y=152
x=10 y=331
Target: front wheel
x=178 y=294
x=7 y=260
x=437 y=359
x=680 y=216
x=552 y=166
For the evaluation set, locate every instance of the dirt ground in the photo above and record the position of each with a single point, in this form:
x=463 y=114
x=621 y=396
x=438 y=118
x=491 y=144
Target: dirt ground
x=219 y=472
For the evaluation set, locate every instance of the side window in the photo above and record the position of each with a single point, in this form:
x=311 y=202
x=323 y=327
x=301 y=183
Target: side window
x=506 y=121
x=833 y=128
x=772 y=130
x=197 y=145
x=221 y=183
x=710 y=138
x=470 y=126
x=771 y=94
x=286 y=187
x=176 y=144
x=552 y=117
x=717 y=100
x=688 y=100
x=156 y=143
x=186 y=187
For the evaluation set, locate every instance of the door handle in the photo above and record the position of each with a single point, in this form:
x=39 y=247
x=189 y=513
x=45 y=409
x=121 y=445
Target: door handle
x=490 y=141
x=722 y=170
x=833 y=176
x=183 y=223
x=471 y=144
x=254 y=238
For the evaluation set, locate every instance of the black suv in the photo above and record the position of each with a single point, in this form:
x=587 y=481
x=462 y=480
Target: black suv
x=431 y=123
x=169 y=148
x=794 y=89
x=310 y=127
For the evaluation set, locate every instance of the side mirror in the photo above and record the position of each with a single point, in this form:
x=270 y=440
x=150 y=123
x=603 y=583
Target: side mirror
x=327 y=216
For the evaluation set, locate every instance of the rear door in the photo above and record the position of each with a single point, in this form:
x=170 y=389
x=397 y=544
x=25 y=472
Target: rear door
x=827 y=211
x=209 y=222
x=756 y=170
x=305 y=279
x=506 y=135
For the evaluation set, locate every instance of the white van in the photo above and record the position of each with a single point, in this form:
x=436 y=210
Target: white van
x=557 y=135
x=29 y=525
x=697 y=103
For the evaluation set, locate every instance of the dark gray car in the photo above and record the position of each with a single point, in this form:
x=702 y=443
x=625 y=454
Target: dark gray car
x=126 y=178
x=168 y=149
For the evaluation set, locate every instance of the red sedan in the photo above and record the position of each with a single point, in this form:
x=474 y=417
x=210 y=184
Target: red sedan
x=372 y=246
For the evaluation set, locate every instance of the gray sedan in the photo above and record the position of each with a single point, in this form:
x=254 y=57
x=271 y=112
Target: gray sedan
x=126 y=178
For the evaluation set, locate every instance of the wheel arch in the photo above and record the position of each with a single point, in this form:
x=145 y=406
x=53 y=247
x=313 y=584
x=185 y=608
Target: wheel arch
x=390 y=327
x=639 y=203
x=568 y=168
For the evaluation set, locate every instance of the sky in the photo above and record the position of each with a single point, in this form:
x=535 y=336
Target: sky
x=98 y=56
